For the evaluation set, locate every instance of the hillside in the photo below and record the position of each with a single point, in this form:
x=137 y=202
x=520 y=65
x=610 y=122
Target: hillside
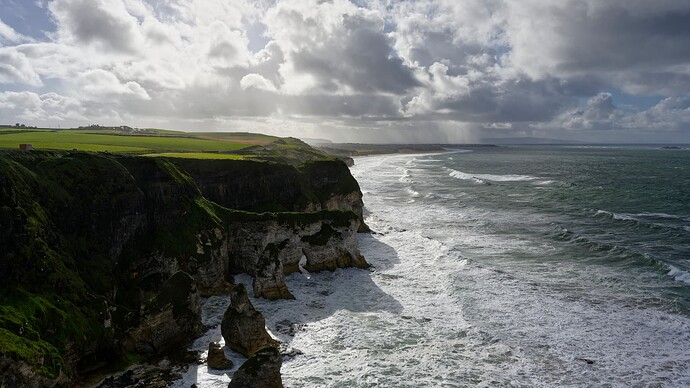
x=161 y=143
x=103 y=256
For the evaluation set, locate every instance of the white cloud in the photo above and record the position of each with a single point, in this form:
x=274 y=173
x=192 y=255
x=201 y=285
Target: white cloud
x=16 y=68
x=49 y=109
x=104 y=23
x=438 y=69
x=9 y=35
x=671 y=113
x=225 y=48
x=100 y=83
x=599 y=113
x=336 y=47
x=256 y=81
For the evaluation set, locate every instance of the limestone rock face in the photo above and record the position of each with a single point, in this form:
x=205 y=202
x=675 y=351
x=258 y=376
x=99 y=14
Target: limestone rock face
x=270 y=249
x=260 y=371
x=216 y=357
x=269 y=281
x=171 y=318
x=209 y=265
x=244 y=328
x=21 y=374
x=332 y=248
x=351 y=201
x=128 y=244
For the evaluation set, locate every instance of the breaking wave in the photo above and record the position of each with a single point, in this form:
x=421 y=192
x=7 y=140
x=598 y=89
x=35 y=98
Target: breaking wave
x=481 y=178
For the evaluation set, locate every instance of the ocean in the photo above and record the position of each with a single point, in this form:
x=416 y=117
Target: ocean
x=499 y=266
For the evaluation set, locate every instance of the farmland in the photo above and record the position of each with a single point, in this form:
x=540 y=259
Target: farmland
x=149 y=142
x=162 y=143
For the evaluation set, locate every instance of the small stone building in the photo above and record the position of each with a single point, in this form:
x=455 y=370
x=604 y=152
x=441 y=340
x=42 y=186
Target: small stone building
x=26 y=147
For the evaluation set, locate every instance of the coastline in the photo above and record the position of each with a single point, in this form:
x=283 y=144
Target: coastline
x=427 y=315
x=321 y=298
x=146 y=238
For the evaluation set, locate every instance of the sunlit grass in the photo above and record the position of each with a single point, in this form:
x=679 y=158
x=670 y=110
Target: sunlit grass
x=67 y=140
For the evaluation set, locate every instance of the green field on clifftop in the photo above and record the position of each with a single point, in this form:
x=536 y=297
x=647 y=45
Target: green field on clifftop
x=162 y=143
x=112 y=141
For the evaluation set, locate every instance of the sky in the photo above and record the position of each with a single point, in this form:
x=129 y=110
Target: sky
x=434 y=71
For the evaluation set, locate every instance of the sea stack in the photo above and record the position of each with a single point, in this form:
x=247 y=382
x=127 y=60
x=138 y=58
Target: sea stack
x=260 y=371
x=244 y=328
x=216 y=357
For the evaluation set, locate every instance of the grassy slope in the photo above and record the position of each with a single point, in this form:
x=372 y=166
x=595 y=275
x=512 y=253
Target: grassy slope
x=57 y=286
x=67 y=140
x=38 y=317
x=165 y=143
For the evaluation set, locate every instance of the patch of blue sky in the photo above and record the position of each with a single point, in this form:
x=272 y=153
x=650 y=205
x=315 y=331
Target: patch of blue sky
x=27 y=17
x=623 y=100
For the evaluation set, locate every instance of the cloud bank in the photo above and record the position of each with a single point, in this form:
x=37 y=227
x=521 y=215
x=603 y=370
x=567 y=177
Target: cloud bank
x=387 y=70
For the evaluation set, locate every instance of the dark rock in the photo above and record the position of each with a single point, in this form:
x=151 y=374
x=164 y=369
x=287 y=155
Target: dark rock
x=269 y=281
x=288 y=328
x=260 y=371
x=142 y=376
x=216 y=357
x=172 y=318
x=289 y=353
x=244 y=328
x=98 y=244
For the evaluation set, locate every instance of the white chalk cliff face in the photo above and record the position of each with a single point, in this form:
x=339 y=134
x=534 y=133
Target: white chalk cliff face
x=268 y=250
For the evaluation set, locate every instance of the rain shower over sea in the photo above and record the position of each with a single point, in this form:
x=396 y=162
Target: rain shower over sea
x=508 y=266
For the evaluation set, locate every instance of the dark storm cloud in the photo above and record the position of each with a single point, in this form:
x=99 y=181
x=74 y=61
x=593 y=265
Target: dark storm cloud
x=615 y=38
x=98 y=21
x=626 y=44
x=359 y=57
x=357 y=106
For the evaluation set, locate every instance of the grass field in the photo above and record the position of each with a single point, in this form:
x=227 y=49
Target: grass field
x=112 y=142
x=245 y=137
x=163 y=143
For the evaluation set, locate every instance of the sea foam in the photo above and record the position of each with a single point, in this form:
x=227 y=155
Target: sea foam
x=453 y=300
x=480 y=178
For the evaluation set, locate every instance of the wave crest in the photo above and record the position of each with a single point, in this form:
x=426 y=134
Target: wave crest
x=482 y=178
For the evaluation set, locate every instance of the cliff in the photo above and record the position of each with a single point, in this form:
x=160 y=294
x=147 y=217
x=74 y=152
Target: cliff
x=103 y=258
x=255 y=185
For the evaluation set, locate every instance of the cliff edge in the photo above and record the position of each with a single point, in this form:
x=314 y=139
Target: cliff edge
x=104 y=258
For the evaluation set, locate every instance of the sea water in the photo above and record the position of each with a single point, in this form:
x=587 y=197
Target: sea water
x=507 y=266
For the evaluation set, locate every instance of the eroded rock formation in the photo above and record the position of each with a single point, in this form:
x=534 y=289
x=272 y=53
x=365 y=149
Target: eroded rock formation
x=244 y=328
x=260 y=371
x=169 y=319
x=216 y=357
x=107 y=255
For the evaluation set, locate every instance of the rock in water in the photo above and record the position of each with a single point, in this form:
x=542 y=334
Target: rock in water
x=260 y=371
x=244 y=328
x=216 y=357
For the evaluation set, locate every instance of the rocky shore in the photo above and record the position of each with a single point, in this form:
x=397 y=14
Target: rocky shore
x=105 y=259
